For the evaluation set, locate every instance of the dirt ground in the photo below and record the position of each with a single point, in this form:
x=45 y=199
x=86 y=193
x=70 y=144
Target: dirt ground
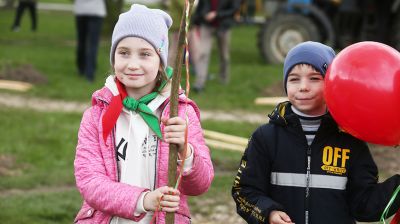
x=387 y=159
x=23 y=73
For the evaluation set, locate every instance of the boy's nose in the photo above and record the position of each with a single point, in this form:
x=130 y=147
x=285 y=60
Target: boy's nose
x=303 y=86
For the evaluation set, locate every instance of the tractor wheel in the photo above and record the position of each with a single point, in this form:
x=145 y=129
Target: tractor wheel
x=395 y=32
x=278 y=35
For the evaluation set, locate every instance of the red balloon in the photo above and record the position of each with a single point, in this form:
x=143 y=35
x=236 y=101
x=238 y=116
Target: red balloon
x=362 y=92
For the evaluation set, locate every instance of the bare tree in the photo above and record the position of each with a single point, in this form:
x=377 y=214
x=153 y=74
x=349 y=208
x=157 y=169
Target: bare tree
x=114 y=8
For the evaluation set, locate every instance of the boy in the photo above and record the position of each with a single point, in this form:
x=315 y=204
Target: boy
x=301 y=168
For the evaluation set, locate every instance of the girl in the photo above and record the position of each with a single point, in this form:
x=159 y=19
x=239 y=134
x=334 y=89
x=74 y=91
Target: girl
x=121 y=163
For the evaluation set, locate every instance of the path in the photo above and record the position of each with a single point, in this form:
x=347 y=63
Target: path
x=48 y=105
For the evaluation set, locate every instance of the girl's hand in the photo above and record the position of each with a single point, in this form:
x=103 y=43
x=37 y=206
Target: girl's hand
x=174 y=132
x=278 y=217
x=165 y=199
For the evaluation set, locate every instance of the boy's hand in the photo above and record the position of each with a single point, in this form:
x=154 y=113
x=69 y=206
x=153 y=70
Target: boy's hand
x=174 y=132
x=278 y=217
x=165 y=199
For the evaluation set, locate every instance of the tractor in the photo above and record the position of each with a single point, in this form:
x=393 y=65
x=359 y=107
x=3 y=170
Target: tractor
x=337 y=23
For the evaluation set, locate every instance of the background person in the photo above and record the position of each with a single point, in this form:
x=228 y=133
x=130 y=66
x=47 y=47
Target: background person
x=89 y=15
x=214 y=18
x=31 y=5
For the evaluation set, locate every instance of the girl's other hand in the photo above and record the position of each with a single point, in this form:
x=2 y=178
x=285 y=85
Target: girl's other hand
x=165 y=199
x=174 y=132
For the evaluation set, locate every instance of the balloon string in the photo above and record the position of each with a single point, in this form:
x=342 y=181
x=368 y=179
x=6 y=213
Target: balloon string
x=386 y=211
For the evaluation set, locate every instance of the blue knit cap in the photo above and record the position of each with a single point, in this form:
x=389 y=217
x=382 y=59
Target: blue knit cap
x=149 y=24
x=315 y=54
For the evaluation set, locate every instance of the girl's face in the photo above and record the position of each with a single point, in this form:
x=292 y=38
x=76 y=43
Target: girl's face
x=305 y=90
x=136 y=66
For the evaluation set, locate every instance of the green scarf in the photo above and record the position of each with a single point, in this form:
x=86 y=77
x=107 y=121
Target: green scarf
x=140 y=106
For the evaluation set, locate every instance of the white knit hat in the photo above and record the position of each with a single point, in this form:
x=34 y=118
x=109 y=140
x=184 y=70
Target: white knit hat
x=149 y=24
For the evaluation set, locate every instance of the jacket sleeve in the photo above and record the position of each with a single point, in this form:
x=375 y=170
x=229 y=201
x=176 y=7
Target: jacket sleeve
x=251 y=185
x=198 y=179
x=368 y=198
x=95 y=185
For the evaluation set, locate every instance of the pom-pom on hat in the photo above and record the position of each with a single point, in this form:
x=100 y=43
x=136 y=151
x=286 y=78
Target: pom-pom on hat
x=149 y=24
x=315 y=54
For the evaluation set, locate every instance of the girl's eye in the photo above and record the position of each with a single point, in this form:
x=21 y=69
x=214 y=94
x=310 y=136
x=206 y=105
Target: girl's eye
x=145 y=54
x=293 y=79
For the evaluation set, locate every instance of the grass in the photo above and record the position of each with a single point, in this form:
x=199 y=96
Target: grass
x=40 y=208
x=39 y=147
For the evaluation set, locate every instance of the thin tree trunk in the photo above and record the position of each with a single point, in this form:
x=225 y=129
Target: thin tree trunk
x=176 y=79
x=114 y=8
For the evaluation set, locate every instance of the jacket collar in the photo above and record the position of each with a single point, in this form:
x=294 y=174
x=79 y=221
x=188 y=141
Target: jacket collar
x=284 y=116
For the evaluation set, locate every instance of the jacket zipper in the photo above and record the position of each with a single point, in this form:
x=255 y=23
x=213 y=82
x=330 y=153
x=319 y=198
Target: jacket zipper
x=114 y=151
x=307 y=195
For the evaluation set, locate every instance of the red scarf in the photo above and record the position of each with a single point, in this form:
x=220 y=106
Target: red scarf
x=114 y=110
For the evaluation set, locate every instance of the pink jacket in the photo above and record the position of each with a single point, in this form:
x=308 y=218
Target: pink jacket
x=96 y=167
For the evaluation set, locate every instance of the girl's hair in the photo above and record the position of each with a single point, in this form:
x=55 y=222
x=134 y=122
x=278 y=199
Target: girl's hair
x=161 y=77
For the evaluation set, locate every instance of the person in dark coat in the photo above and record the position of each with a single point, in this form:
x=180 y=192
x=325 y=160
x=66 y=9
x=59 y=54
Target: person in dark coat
x=215 y=19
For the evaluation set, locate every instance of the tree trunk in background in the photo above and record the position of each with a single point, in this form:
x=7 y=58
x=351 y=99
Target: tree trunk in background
x=114 y=8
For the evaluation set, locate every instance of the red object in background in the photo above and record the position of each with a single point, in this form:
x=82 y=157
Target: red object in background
x=362 y=92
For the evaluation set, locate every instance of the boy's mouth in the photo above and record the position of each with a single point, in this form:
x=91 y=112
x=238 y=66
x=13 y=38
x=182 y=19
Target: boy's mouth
x=303 y=98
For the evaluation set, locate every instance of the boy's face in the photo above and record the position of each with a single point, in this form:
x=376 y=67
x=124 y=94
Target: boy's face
x=305 y=90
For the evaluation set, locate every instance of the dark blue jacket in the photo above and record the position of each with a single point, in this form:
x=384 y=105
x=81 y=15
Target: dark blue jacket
x=333 y=181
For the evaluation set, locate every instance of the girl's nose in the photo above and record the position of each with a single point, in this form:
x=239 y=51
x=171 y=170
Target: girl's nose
x=133 y=64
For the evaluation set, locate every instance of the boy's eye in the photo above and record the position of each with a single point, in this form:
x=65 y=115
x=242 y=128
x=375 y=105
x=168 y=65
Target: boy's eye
x=316 y=78
x=293 y=79
x=123 y=52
